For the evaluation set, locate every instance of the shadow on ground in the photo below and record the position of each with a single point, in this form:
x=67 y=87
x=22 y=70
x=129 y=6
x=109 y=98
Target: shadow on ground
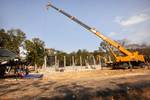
x=38 y=90
x=125 y=91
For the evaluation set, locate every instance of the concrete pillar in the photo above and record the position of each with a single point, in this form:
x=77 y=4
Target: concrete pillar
x=55 y=60
x=80 y=61
x=45 y=62
x=87 y=59
x=100 y=63
x=94 y=62
x=56 y=63
x=73 y=64
x=110 y=59
x=64 y=61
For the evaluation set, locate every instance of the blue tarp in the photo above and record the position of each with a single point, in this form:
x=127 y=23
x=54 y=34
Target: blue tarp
x=30 y=76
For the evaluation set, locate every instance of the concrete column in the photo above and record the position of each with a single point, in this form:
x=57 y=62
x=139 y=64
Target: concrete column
x=87 y=59
x=94 y=62
x=80 y=61
x=110 y=59
x=56 y=63
x=45 y=62
x=73 y=64
x=100 y=63
x=55 y=60
x=64 y=61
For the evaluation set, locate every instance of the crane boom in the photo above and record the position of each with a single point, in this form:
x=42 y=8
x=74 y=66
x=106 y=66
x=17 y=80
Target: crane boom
x=129 y=56
x=93 y=30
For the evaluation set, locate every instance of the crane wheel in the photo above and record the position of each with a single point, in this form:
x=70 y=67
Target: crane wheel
x=2 y=71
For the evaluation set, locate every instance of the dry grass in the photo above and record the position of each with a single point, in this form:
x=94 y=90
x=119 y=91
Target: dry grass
x=90 y=74
x=82 y=85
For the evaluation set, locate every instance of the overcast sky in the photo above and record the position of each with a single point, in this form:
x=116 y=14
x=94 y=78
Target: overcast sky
x=117 y=19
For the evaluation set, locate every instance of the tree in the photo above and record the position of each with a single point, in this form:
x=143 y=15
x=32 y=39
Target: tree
x=108 y=49
x=4 y=38
x=103 y=46
x=124 y=42
x=35 y=51
x=17 y=38
x=12 y=39
x=80 y=53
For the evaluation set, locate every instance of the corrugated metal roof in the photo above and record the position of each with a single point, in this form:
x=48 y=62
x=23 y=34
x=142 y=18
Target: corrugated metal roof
x=6 y=53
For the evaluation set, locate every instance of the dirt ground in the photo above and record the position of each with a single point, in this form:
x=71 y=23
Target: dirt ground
x=85 y=85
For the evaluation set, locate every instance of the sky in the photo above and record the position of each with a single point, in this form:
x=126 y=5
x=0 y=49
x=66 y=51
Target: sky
x=116 y=19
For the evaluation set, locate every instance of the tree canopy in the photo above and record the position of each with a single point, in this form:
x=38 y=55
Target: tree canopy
x=35 y=51
x=12 y=39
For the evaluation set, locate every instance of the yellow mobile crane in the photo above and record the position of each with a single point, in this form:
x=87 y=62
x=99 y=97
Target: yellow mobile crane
x=131 y=58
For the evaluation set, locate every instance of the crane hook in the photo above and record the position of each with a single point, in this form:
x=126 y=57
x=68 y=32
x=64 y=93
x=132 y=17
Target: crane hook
x=48 y=5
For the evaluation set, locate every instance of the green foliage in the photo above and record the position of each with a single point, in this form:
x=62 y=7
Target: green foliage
x=35 y=51
x=12 y=39
x=80 y=53
x=4 y=38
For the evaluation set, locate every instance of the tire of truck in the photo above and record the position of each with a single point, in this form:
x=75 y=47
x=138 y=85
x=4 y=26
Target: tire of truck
x=2 y=71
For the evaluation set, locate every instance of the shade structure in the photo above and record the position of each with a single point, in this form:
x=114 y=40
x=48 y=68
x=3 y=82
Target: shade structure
x=6 y=54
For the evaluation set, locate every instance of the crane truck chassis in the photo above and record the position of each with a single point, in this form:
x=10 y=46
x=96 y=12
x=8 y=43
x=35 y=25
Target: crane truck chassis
x=129 y=59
